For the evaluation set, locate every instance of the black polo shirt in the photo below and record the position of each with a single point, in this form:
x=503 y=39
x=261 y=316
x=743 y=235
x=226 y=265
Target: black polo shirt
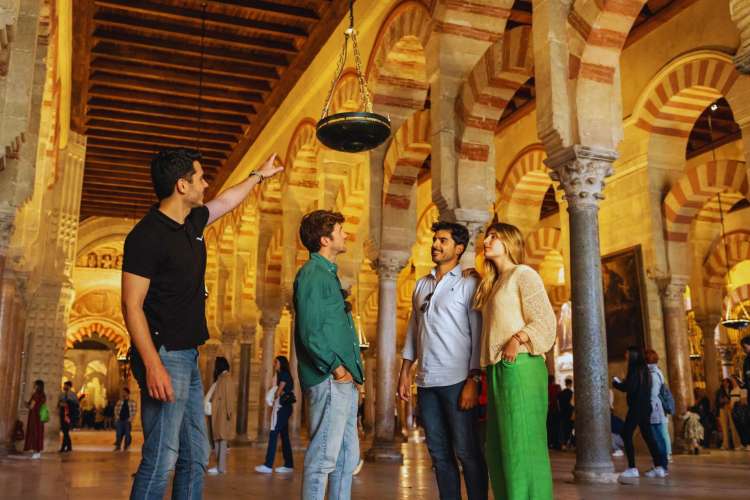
x=173 y=257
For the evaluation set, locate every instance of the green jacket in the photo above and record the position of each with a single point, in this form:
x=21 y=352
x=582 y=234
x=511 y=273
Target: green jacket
x=324 y=332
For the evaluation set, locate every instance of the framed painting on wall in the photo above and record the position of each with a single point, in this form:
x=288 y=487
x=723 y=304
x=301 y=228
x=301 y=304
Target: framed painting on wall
x=624 y=301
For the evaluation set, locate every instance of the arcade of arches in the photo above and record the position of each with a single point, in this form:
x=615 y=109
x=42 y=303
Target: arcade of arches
x=589 y=124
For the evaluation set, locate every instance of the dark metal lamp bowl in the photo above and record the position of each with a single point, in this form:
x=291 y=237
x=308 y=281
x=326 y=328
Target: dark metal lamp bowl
x=353 y=132
x=736 y=324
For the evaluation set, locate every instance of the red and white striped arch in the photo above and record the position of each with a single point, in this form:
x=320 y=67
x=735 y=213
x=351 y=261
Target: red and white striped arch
x=103 y=328
x=302 y=157
x=539 y=243
x=346 y=95
x=715 y=267
x=524 y=185
x=696 y=188
x=740 y=295
x=404 y=159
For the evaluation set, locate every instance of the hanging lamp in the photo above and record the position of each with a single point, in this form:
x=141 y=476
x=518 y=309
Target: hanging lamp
x=352 y=132
x=728 y=321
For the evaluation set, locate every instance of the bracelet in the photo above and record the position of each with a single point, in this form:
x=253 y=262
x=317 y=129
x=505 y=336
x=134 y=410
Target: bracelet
x=518 y=339
x=258 y=174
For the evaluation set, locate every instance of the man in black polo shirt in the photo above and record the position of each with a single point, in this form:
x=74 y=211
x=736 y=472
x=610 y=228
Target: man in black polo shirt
x=163 y=302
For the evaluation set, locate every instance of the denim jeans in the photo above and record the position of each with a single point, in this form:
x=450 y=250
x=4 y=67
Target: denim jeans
x=333 y=451
x=282 y=428
x=122 y=429
x=452 y=433
x=174 y=434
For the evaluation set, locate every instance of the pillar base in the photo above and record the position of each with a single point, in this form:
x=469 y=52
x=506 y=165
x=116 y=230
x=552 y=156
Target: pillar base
x=384 y=453
x=242 y=441
x=594 y=476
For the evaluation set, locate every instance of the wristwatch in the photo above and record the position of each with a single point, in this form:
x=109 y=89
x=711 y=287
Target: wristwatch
x=476 y=376
x=258 y=174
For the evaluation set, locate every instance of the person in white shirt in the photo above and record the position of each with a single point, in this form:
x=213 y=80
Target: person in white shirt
x=444 y=335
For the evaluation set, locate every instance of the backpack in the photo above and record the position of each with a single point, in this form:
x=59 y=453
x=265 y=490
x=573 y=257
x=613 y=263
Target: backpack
x=666 y=398
x=44 y=413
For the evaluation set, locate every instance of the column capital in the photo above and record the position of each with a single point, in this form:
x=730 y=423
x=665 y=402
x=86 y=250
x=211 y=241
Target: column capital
x=390 y=264
x=672 y=292
x=270 y=320
x=739 y=11
x=581 y=171
x=248 y=333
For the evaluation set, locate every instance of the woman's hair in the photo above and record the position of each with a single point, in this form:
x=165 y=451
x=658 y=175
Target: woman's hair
x=283 y=364
x=512 y=240
x=39 y=386
x=220 y=366
x=652 y=357
x=637 y=365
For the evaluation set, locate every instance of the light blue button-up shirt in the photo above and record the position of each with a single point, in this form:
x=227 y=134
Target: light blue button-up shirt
x=446 y=336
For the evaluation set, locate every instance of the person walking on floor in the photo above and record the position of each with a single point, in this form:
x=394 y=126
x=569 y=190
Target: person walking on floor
x=565 y=404
x=38 y=415
x=444 y=334
x=329 y=360
x=164 y=307
x=222 y=401
x=67 y=405
x=659 y=422
x=637 y=386
x=519 y=327
x=125 y=411
x=282 y=410
x=726 y=397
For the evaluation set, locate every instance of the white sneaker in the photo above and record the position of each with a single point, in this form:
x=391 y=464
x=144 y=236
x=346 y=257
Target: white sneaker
x=656 y=472
x=213 y=471
x=631 y=472
x=263 y=469
x=282 y=469
x=618 y=453
x=36 y=456
x=359 y=467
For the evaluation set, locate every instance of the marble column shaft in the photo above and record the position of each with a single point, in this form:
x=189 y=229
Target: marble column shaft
x=370 y=377
x=678 y=345
x=581 y=172
x=383 y=446
x=710 y=354
x=268 y=353
x=243 y=389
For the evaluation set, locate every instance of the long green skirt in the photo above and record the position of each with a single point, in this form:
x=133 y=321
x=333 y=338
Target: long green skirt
x=516 y=446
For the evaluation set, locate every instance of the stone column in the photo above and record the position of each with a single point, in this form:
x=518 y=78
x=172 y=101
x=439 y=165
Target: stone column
x=678 y=352
x=295 y=421
x=727 y=353
x=475 y=221
x=268 y=323
x=708 y=326
x=243 y=387
x=384 y=446
x=740 y=13
x=370 y=373
x=581 y=172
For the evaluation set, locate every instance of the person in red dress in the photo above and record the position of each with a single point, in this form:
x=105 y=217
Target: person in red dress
x=34 y=425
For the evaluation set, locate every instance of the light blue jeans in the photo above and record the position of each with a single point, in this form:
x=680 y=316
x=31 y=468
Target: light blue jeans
x=664 y=429
x=333 y=452
x=174 y=434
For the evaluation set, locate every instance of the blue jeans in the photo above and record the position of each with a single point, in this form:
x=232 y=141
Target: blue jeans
x=657 y=430
x=174 y=434
x=282 y=427
x=333 y=451
x=667 y=440
x=452 y=433
x=122 y=429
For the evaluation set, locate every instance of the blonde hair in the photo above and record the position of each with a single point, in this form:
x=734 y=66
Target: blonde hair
x=512 y=240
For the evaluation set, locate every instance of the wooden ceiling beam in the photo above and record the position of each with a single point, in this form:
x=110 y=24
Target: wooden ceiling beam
x=172 y=60
x=275 y=8
x=193 y=33
x=134 y=39
x=212 y=18
x=189 y=76
x=115 y=126
x=126 y=162
x=105 y=151
x=149 y=148
x=162 y=142
x=172 y=88
x=97 y=104
x=162 y=121
x=106 y=202
x=169 y=100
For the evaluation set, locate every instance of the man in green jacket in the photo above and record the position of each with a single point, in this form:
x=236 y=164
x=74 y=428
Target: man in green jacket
x=328 y=358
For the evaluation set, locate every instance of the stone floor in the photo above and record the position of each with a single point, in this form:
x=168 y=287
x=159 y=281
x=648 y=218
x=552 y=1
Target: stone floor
x=94 y=472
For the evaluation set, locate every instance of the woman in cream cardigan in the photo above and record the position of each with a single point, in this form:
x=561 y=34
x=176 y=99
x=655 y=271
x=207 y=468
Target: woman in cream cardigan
x=518 y=328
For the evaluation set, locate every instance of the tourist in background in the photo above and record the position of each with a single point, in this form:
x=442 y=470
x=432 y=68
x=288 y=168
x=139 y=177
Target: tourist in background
x=282 y=410
x=565 y=405
x=519 y=326
x=125 y=411
x=35 y=422
x=67 y=405
x=553 y=413
x=221 y=398
x=637 y=387
x=659 y=421
x=726 y=397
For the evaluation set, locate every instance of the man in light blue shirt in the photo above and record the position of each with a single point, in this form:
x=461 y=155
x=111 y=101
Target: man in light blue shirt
x=444 y=335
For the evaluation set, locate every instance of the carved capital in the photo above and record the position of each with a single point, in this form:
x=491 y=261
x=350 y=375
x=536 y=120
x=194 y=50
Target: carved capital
x=581 y=171
x=270 y=320
x=673 y=293
x=390 y=264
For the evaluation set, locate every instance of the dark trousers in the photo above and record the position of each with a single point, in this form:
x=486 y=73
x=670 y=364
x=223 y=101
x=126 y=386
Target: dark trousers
x=453 y=433
x=566 y=428
x=122 y=429
x=641 y=421
x=67 y=444
x=282 y=428
x=553 y=429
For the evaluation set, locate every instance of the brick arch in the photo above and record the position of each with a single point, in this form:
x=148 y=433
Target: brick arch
x=406 y=154
x=558 y=295
x=103 y=328
x=346 y=95
x=715 y=266
x=351 y=198
x=302 y=157
x=274 y=253
x=539 y=243
x=695 y=189
x=525 y=183
x=739 y=295
x=396 y=70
